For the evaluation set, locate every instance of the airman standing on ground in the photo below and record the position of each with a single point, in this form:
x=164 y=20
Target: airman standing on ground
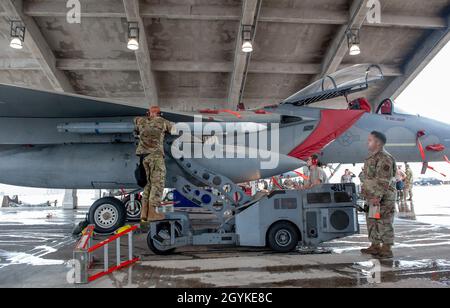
x=409 y=182
x=314 y=174
x=380 y=192
x=288 y=183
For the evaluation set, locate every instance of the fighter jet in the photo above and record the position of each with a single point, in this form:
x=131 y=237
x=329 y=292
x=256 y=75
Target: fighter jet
x=57 y=140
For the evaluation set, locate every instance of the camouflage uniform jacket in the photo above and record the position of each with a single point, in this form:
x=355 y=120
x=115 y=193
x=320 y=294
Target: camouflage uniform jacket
x=409 y=177
x=379 y=176
x=151 y=133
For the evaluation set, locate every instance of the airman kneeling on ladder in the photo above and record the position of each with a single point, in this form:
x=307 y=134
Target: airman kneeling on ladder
x=151 y=130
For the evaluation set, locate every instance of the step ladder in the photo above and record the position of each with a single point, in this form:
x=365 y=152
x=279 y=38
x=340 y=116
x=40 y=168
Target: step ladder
x=83 y=255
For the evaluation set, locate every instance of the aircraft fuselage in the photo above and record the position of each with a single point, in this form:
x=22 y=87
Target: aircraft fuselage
x=34 y=153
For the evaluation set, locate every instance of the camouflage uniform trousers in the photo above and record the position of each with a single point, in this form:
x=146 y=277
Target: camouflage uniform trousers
x=381 y=231
x=408 y=191
x=155 y=170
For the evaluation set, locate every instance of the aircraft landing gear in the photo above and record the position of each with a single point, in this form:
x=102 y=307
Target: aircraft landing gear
x=107 y=214
x=133 y=210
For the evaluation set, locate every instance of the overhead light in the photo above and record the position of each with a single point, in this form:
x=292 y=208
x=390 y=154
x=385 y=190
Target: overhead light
x=16 y=43
x=354 y=42
x=17 y=35
x=247 y=47
x=355 y=50
x=247 y=38
x=133 y=44
x=133 y=36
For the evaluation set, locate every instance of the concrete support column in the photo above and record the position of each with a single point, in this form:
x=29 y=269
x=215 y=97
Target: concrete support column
x=70 y=201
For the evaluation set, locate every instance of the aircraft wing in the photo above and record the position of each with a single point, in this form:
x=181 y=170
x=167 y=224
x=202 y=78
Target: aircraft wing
x=19 y=102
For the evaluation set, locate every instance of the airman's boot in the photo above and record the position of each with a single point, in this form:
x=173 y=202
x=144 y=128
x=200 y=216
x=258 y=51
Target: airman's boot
x=154 y=215
x=385 y=252
x=144 y=226
x=374 y=249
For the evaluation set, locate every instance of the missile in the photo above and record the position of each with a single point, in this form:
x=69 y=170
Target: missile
x=192 y=128
x=96 y=128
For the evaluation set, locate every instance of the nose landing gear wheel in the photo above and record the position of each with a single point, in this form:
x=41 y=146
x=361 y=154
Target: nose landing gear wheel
x=107 y=214
x=133 y=213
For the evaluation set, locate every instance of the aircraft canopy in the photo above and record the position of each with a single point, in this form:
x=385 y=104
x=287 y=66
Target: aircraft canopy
x=346 y=81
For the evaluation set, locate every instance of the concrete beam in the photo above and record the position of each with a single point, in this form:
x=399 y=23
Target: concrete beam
x=38 y=46
x=89 y=8
x=96 y=65
x=339 y=46
x=329 y=17
x=194 y=104
x=417 y=62
x=113 y=9
x=144 y=62
x=19 y=64
x=256 y=67
x=250 y=10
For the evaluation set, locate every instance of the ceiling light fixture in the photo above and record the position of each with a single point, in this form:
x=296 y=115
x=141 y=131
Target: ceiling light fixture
x=17 y=35
x=247 y=38
x=133 y=36
x=354 y=42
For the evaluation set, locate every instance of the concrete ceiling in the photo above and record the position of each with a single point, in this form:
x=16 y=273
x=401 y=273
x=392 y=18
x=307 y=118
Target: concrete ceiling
x=190 y=50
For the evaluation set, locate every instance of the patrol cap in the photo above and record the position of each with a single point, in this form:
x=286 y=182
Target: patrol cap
x=379 y=136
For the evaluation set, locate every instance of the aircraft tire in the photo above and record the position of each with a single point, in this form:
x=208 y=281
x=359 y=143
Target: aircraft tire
x=107 y=214
x=283 y=236
x=133 y=216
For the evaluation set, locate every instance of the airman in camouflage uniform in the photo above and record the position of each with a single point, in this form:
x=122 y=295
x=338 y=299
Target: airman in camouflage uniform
x=379 y=191
x=409 y=182
x=151 y=131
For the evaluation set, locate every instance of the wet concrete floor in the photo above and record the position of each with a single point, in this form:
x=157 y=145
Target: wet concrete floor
x=36 y=249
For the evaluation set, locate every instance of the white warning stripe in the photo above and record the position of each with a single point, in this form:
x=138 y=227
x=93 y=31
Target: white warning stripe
x=401 y=145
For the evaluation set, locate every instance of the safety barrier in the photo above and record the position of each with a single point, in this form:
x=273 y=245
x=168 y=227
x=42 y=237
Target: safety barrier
x=84 y=258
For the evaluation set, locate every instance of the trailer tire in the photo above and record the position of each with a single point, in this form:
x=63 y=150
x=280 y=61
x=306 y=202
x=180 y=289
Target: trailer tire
x=107 y=215
x=157 y=251
x=283 y=236
x=155 y=247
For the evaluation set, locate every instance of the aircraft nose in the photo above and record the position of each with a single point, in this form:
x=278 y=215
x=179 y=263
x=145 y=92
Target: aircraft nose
x=446 y=141
x=447 y=145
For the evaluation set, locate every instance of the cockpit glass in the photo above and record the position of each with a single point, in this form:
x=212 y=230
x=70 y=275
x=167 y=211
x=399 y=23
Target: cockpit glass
x=344 y=81
x=353 y=75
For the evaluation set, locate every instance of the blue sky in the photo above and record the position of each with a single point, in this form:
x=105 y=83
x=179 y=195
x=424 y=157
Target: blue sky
x=428 y=94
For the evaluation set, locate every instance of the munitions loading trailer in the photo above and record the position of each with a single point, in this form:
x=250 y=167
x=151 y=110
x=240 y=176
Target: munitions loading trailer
x=281 y=220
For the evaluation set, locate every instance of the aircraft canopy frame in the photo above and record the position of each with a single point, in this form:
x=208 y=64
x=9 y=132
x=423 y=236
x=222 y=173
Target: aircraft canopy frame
x=349 y=80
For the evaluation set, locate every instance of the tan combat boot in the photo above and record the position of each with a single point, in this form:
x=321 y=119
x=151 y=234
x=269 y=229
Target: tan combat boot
x=144 y=226
x=374 y=249
x=385 y=252
x=154 y=214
